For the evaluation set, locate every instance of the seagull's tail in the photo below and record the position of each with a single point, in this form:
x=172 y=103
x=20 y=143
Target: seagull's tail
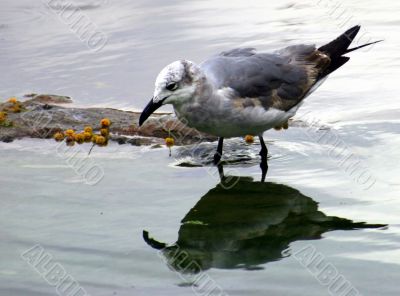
x=152 y=242
x=340 y=46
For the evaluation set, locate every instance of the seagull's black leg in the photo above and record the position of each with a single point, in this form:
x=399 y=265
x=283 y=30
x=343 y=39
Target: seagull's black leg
x=218 y=154
x=264 y=158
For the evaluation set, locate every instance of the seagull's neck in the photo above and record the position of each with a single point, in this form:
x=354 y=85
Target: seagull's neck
x=206 y=103
x=201 y=90
x=204 y=88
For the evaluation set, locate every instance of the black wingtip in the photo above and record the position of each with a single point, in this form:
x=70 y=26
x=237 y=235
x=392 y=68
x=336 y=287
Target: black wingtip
x=352 y=32
x=340 y=46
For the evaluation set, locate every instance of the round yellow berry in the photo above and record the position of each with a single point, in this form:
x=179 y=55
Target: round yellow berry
x=87 y=136
x=59 y=136
x=70 y=132
x=169 y=142
x=104 y=132
x=105 y=122
x=101 y=141
x=94 y=139
x=79 y=138
x=88 y=129
x=249 y=139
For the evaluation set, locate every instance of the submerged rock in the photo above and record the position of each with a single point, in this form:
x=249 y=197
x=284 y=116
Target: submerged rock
x=43 y=116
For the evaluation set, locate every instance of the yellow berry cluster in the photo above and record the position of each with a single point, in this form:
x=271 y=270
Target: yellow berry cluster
x=12 y=105
x=3 y=119
x=87 y=136
x=16 y=106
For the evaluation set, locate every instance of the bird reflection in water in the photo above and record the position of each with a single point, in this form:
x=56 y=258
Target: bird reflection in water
x=246 y=225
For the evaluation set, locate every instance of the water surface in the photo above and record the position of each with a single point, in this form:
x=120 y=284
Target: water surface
x=95 y=232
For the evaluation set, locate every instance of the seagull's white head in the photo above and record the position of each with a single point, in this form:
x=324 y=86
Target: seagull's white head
x=176 y=84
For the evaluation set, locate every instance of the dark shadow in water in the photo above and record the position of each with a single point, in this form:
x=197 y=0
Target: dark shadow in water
x=250 y=224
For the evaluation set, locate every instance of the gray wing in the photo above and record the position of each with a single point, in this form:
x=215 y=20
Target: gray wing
x=280 y=79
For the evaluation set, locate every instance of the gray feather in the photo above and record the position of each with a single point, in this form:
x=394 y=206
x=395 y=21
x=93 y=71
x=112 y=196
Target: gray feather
x=280 y=79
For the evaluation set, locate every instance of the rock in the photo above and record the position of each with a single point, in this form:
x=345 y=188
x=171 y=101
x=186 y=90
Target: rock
x=47 y=107
x=42 y=117
x=120 y=140
x=134 y=142
x=49 y=99
x=6 y=139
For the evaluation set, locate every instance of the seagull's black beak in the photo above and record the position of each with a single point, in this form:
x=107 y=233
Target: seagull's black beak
x=148 y=110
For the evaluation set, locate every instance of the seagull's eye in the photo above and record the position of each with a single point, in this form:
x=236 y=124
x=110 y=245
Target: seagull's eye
x=172 y=86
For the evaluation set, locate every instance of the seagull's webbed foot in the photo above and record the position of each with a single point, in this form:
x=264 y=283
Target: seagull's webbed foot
x=218 y=154
x=264 y=159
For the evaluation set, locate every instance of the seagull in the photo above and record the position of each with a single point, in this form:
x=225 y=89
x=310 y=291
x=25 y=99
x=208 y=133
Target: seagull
x=243 y=92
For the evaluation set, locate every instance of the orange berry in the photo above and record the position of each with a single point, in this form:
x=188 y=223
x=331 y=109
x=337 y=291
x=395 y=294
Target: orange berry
x=104 y=132
x=70 y=132
x=105 y=122
x=79 y=138
x=87 y=136
x=13 y=100
x=94 y=139
x=249 y=139
x=59 y=136
x=169 y=142
x=101 y=141
x=88 y=129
